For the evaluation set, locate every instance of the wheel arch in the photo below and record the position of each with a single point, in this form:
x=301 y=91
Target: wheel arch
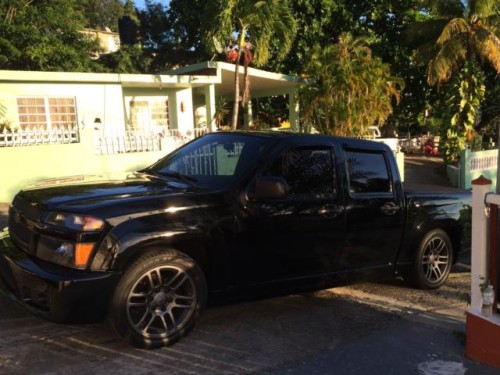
x=195 y=247
x=417 y=234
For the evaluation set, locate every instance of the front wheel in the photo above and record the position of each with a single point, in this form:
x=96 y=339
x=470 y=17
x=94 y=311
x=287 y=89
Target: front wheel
x=432 y=261
x=159 y=299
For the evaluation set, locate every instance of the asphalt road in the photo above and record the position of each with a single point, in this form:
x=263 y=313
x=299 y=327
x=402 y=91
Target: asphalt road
x=367 y=328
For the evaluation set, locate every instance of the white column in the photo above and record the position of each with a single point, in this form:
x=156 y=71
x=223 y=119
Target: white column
x=293 y=110
x=181 y=110
x=210 y=105
x=479 y=262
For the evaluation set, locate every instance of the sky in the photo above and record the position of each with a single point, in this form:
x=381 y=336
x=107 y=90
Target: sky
x=140 y=3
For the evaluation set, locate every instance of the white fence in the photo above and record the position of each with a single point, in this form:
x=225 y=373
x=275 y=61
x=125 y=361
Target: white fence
x=480 y=162
x=39 y=137
x=141 y=141
x=130 y=141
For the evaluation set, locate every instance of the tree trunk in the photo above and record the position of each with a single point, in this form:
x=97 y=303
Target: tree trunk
x=241 y=45
x=236 y=105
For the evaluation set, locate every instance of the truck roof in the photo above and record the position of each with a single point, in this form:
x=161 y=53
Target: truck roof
x=348 y=141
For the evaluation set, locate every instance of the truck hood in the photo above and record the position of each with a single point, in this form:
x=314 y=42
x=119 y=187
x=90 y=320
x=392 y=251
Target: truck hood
x=91 y=191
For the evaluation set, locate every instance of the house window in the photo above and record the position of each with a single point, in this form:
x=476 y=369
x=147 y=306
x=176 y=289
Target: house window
x=46 y=113
x=149 y=114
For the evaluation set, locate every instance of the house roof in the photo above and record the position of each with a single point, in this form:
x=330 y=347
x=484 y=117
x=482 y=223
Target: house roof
x=262 y=83
x=125 y=80
x=221 y=74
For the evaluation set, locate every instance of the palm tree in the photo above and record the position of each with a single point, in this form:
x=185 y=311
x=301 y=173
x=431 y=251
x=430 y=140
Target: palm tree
x=463 y=36
x=349 y=89
x=253 y=24
x=475 y=35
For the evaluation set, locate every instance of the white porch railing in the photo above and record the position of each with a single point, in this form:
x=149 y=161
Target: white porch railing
x=39 y=137
x=130 y=141
x=141 y=141
x=483 y=161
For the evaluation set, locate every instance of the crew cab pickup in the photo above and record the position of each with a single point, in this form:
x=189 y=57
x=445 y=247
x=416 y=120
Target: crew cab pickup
x=228 y=213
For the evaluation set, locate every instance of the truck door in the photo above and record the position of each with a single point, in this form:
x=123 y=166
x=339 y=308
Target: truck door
x=374 y=210
x=300 y=234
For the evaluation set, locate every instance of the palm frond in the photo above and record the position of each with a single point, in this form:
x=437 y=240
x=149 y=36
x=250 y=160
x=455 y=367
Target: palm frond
x=448 y=59
x=483 y=8
x=452 y=29
x=487 y=46
x=418 y=33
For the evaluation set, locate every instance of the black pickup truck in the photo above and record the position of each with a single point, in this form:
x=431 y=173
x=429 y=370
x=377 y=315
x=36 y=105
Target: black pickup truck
x=226 y=214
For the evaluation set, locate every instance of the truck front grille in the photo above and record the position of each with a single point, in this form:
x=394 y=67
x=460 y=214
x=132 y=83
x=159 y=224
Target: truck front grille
x=26 y=209
x=22 y=219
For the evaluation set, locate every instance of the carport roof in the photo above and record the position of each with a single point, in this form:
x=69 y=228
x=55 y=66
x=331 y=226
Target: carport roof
x=262 y=83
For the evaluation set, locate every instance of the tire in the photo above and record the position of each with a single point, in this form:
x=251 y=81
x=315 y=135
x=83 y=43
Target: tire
x=159 y=299
x=432 y=261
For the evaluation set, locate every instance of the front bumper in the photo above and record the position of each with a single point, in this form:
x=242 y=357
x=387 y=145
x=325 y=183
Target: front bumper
x=54 y=292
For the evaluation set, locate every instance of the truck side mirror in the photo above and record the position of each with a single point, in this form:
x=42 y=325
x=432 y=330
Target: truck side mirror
x=270 y=187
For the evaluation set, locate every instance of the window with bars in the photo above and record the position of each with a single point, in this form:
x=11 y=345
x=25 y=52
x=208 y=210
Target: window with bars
x=149 y=114
x=46 y=113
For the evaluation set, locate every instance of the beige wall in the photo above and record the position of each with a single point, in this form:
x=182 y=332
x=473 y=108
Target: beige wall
x=21 y=166
x=93 y=100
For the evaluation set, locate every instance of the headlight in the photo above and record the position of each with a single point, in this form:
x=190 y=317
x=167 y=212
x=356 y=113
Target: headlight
x=73 y=250
x=81 y=223
x=69 y=254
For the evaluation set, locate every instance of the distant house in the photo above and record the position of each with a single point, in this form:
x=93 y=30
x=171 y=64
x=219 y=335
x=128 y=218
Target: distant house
x=71 y=123
x=109 y=41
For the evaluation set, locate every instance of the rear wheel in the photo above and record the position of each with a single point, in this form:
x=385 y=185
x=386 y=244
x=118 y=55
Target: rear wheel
x=159 y=299
x=433 y=260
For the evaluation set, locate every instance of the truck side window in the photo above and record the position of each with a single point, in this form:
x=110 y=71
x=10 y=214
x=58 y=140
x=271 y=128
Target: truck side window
x=306 y=170
x=368 y=172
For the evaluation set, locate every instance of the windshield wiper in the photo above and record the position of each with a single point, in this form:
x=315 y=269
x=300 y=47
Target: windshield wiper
x=179 y=176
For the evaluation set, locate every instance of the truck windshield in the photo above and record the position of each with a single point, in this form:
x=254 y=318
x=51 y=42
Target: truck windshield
x=215 y=160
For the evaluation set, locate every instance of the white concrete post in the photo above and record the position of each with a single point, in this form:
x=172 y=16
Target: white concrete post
x=210 y=104
x=293 y=108
x=479 y=256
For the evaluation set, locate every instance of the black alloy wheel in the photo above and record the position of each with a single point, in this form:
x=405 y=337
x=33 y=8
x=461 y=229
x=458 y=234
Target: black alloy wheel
x=433 y=260
x=159 y=299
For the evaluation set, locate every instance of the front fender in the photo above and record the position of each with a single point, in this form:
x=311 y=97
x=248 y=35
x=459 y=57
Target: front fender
x=202 y=240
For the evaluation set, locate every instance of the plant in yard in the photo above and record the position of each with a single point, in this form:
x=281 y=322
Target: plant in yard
x=221 y=111
x=5 y=124
x=464 y=98
x=348 y=88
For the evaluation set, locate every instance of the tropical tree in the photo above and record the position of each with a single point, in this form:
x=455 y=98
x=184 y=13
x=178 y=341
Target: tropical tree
x=465 y=42
x=171 y=34
x=475 y=35
x=253 y=24
x=349 y=89
x=44 y=35
x=100 y=14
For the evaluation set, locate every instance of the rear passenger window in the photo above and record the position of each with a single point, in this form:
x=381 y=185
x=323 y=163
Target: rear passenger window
x=368 y=172
x=308 y=171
